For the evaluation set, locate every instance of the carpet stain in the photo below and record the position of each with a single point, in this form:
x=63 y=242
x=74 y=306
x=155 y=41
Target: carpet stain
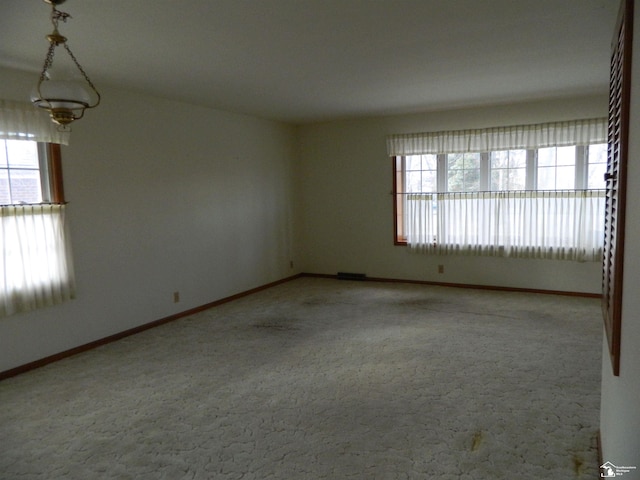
x=476 y=441
x=422 y=303
x=578 y=465
x=318 y=301
x=275 y=326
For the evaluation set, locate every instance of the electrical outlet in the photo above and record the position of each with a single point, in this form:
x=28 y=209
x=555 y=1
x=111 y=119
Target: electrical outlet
x=440 y=268
x=176 y=297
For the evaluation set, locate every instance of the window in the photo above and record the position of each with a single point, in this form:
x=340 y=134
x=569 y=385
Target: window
x=539 y=197
x=596 y=166
x=35 y=262
x=508 y=170
x=463 y=172
x=422 y=173
x=30 y=172
x=552 y=168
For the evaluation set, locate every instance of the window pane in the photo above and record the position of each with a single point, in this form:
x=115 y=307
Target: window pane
x=508 y=170
x=20 y=166
x=25 y=186
x=455 y=182
x=472 y=180
x=517 y=179
x=414 y=182
x=463 y=173
x=566 y=155
x=5 y=196
x=472 y=161
x=546 y=157
x=455 y=161
x=566 y=177
x=414 y=162
x=498 y=180
x=429 y=162
x=596 y=175
x=500 y=159
x=22 y=154
x=597 y=166
x=429 y=181
x=421 y=173
x=556 y=168
x=517 y=158
x=598 y=153
x=3 y=154
x=508 y=179
x=546 y=178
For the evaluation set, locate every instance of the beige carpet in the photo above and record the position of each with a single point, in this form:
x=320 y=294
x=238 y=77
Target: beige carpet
x=324 y=379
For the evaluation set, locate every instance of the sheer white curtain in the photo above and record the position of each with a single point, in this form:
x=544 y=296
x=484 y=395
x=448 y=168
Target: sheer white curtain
x=563 y=225
x=470 y=224
x=533 y=224
x=36 y=260
x=421 y=221
x=35 y=263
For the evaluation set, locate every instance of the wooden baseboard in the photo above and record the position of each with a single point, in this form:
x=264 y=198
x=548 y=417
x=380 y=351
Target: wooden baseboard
x=132 y=331
x=462 y=285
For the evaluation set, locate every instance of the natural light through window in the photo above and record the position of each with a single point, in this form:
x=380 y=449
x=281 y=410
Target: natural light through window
x=542 y=201
x=508 y=170
x=20 y=173
x=35 y=259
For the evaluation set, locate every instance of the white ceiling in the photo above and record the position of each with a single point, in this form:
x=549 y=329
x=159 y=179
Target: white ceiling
x=311 y=60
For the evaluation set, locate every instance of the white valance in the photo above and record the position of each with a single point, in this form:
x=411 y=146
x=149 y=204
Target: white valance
x=556 y=134
x=23 y=121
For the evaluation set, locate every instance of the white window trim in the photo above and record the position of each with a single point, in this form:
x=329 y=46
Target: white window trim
x=581 y=179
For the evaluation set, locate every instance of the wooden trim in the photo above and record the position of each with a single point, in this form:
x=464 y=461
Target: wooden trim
x=394 y=194
x=463 y=285
x=55 y=171
x=132 y=331
x=399 y=238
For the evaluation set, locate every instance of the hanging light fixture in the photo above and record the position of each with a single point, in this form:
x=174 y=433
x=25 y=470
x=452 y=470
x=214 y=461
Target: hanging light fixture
x=65 y=99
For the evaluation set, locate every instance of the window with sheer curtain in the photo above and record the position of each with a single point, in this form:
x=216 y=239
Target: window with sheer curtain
x=530 y=191
x=35 y=263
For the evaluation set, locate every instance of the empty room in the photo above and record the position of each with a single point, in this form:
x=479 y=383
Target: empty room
x=304 y=239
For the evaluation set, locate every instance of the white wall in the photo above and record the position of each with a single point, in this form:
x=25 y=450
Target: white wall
x=620 y=407
x=163 y=197
x=345 y=180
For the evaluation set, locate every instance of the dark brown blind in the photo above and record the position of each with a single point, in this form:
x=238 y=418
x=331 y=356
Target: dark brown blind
x=619 y=96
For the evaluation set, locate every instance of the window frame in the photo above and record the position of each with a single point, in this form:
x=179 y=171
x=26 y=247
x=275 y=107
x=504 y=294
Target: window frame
x=54 y=161
x=50 y=170
x=399 y=162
